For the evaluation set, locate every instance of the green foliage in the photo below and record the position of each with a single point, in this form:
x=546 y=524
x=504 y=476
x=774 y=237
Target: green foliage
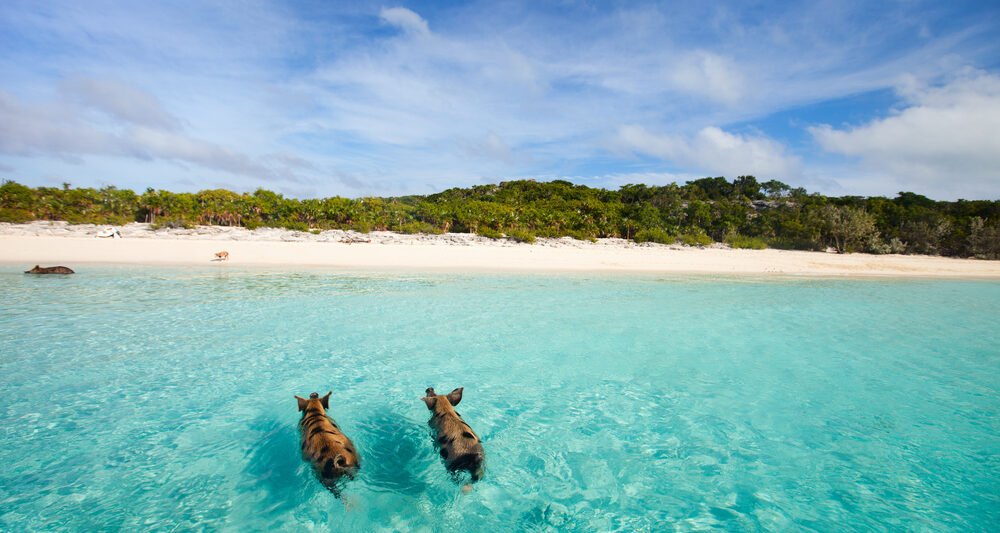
x=742 y=241
x=696 y=238
x=16 y=216
x=521 y=236
x=489 y=233
x=295 y=225
x=581 y=236
x=172 y=223
x=983 y=241
x=848 y=229
x=418 y=227
x=16 y=196
x=744 y=212
x=655 y=235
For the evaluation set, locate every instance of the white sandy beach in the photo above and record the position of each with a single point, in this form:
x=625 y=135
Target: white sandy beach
x=58 y=243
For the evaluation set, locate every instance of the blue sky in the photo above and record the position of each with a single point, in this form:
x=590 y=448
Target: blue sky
x=316 y=99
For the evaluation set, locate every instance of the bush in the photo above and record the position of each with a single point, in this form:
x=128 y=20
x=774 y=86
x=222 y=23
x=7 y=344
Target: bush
x=172 y=223
x=696 y=239
x=520 y=236
x=489 y=233
x=742 y=241
x=15 y=215
x=791 y=243
x=582 y=236
x=419 y=227
x=661 y=236
x=295 y=225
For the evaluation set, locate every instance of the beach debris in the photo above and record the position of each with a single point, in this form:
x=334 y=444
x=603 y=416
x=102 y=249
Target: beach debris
x=222 y=256
x=354 y=240
x=49 y=270
x=110 y=232
x=458 y=445
x=331 y=453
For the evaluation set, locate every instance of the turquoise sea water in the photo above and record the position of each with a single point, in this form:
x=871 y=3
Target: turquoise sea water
x=141 y=399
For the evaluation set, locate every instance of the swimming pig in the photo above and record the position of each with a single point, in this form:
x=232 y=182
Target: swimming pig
x=460 y=447
x=49 y=270
x=331 y=453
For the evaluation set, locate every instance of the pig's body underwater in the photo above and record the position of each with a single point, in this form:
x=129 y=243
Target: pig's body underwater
x=331 y=453
x=459 y=446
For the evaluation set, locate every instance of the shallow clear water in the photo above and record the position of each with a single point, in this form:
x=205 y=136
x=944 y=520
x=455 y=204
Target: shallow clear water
x=161 y=399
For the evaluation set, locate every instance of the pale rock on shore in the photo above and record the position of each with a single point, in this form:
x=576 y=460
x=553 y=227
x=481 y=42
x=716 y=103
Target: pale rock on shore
x=51 y=243
x=137 y=230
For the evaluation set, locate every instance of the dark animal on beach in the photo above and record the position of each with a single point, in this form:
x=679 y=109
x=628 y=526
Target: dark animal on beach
x=49 y=270
x=222 y=256
x=331 y=453
x=459 y=446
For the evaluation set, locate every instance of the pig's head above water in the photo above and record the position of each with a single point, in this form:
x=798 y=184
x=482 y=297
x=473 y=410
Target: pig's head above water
x=432 y=398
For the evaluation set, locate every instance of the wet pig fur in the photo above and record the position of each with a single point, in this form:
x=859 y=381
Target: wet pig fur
x=49 y=270
x=331 y=453
x=459 y=446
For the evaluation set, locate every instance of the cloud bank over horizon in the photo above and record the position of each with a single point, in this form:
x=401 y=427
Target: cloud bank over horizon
x=312 y=99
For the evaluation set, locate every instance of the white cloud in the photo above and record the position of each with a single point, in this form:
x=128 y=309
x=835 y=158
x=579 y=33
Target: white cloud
x=405 y=20
x=710 y=75
x=944 y=141
x=713 y=151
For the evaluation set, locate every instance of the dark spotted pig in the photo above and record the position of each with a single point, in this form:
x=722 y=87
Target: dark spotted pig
x=331 y=453
x=459 y=446
x=49 y=270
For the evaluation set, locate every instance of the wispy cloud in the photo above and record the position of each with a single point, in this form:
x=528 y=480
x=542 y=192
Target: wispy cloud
x=405 y=19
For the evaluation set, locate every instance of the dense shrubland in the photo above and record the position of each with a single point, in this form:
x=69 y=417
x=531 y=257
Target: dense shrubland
x=743 y=213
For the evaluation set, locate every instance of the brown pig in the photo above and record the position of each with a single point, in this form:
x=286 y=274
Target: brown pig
x=331 y=453
x=49 y=270
x=459 y=446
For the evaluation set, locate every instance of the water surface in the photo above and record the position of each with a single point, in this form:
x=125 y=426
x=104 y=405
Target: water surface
x=161 y=399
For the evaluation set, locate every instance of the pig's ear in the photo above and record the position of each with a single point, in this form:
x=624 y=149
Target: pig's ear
x=455 y=396
x=326 y=400
x=430 y=401
x=302 y=403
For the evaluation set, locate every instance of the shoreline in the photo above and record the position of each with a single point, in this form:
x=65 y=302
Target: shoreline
x=52 y=243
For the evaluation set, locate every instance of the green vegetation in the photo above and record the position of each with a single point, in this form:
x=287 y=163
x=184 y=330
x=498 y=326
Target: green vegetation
x=742 y=241
x=489 y=233
x=659 y=235
x=696 y=238
x=743 y=213
x=520 y=236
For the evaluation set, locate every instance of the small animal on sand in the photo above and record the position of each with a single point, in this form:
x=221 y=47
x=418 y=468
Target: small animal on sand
x=49 y=270
x=331 y=453
x=222 y=256
x=459 y=446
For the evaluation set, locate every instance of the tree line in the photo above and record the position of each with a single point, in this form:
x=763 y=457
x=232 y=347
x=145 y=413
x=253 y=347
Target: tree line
x=743 y=213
